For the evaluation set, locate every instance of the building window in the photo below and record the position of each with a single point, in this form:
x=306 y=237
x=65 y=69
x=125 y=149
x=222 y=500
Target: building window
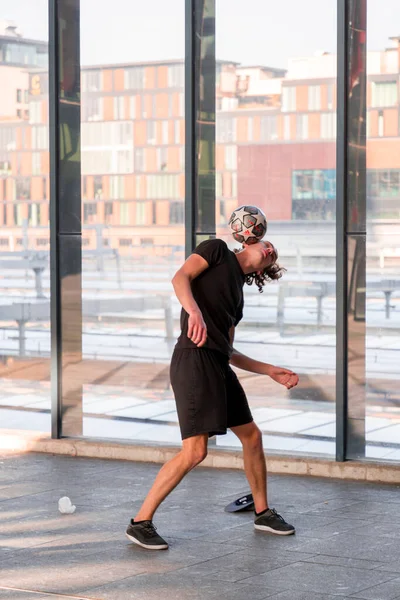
x=132 y=107
x=98 y=187
x=177 y=132
x=89 y=212
x=151 y=132
x=19 y=96
x=330 y=96
x=140 y=160
x=162 y=186
x=181 y=105
x=231 y=158
x=135 y=78
x=36 y=163
x=19 y=113
x=302 y=127
x=234 y=185
x=384 y=184
x=218 y=184
x=44 y=183
x=117 y=187
x=176 y=76
x=165 y=132
x=140 y=213
x=35 y=112
x=381 y=124
x=18 y=216
x=162 y=157
x=40 y=138
x=286 y=127
x=119 y=107
x=328 y=126
x=26 y=96
x=176 y=213
x=23 y=188
x=314 y=97
x=124 y=213
x=127 y=242
x=289 y=99
x=92 y=81
x=34 y=214
x=384 y=93
x=108 y=211
x=93 y=109
x=226 y=129
x=268 y=129
x=314 y=194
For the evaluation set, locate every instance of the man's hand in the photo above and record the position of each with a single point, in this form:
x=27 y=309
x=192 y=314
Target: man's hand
x=284 y=377
x=197 y=329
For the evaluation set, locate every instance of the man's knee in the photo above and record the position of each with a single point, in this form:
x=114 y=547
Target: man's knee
x=253 y=440
x=195 y=451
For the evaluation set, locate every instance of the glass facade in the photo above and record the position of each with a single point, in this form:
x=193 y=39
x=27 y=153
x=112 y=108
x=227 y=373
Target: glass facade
x=24 y=229
x=120 y=157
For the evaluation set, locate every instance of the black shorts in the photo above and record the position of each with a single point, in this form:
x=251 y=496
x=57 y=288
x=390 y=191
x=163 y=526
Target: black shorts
x=209 y=398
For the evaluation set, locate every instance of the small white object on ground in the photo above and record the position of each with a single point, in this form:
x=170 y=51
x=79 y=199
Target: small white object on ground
x=65 y=506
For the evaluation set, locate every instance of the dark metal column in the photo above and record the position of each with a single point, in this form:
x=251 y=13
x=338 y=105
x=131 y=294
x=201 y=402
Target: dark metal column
x=65 y=218
x=351 y=230
x=200 y=75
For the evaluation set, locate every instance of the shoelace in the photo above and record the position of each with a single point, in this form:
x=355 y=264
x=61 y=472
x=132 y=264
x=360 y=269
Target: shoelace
x=150 y=528
x=277 y=515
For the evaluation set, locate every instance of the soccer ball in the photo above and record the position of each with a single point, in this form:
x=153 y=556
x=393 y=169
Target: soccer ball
x=248 y=224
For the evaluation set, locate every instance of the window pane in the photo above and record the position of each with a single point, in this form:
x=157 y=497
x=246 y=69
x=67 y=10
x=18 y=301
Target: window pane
x=284 y=162
x=132 y=148
x=24 y=214
x=383 y=239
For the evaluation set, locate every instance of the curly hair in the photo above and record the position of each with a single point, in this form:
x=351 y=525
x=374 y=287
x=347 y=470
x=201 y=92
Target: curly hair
x=272 y=273
x=260 y=278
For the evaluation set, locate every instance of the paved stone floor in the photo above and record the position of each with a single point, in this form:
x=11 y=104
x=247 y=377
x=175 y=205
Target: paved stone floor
x=347 y=542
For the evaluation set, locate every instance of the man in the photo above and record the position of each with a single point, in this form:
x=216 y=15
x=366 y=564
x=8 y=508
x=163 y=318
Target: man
x=208 y=394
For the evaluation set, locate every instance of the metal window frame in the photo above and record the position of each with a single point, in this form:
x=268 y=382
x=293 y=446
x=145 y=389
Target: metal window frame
x=345 y=230
x=55 y=280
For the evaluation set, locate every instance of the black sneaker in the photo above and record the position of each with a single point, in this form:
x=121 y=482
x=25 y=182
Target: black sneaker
x=270 y=521
x=145 y=534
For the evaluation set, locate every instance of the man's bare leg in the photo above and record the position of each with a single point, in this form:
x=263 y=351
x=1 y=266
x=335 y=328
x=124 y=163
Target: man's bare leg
x=254 y=463
x=256 y=472
x=194 y=451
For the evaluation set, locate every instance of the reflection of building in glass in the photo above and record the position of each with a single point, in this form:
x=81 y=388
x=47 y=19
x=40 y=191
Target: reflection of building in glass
x=275 y=136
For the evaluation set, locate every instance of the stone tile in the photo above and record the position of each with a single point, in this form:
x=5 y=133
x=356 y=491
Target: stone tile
x=22 y=400
x=110 y=405
x=237 y=565
x=173 y=586
x=390 y=434
x=261 y=415
x=354 y=563
x=8 y=594
x=110 y=428
x=298 y=423
x=160 y=434
x=64 y=572
x=296 y=595
x=323 y=579
x=146 y=411
x=364 y=547
x=390 y=590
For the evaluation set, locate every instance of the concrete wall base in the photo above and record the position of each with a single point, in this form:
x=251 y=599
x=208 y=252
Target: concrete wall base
x=13 y=442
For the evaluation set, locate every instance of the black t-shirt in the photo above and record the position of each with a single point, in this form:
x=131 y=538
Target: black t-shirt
x=218 y=292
